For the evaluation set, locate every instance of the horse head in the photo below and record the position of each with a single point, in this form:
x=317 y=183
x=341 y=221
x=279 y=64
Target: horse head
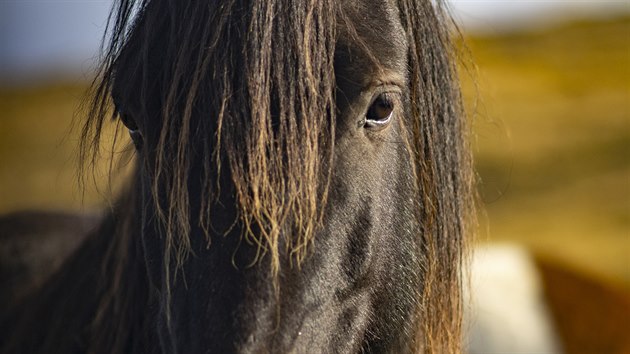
x=303 y=179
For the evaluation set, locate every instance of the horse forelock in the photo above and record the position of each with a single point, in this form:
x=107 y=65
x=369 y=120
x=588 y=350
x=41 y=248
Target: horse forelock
x=253 y=85
x=249 y=90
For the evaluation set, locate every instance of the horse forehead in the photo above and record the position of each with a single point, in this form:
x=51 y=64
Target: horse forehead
x=377 y=24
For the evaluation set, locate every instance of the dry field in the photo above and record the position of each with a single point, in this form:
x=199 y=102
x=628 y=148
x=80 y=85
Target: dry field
x=552 y=128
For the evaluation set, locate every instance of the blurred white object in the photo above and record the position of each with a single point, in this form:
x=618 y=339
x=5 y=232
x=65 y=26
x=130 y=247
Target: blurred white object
x=505 y=308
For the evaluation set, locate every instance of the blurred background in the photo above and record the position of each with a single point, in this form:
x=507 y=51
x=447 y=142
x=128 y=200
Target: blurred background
x=546 y=83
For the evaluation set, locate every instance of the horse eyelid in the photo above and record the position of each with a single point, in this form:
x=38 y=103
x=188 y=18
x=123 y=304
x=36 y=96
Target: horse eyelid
x=377 y=124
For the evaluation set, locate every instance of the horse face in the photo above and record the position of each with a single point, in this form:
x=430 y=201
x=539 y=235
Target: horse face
x=357 y=286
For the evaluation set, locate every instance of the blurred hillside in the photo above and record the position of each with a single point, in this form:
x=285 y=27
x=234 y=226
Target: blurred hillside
x=551 y=116
x=552 y=121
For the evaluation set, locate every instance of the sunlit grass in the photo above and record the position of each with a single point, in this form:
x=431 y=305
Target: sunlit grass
x=39 y=148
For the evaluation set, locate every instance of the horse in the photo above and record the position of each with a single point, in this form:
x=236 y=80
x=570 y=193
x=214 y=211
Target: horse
x=302 y=183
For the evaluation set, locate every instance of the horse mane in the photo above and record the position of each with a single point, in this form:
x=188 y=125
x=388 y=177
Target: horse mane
x=263 y=71
x=444 y=172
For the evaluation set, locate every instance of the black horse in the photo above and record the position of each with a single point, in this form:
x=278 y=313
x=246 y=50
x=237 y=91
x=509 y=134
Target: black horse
x=303 y=184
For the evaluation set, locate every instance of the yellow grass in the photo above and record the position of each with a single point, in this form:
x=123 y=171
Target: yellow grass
x=38 y=151
x=552 y=119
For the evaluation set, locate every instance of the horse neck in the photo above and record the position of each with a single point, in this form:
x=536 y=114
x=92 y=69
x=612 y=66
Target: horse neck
x=96 y=303
x=121 y=283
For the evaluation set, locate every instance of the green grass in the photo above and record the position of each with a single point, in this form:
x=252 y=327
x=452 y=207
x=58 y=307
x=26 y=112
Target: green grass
x=552 y=144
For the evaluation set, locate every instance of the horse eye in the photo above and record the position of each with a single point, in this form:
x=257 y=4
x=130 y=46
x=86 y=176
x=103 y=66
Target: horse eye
x=134 y=132
x=380 y=112
x=129 y=122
